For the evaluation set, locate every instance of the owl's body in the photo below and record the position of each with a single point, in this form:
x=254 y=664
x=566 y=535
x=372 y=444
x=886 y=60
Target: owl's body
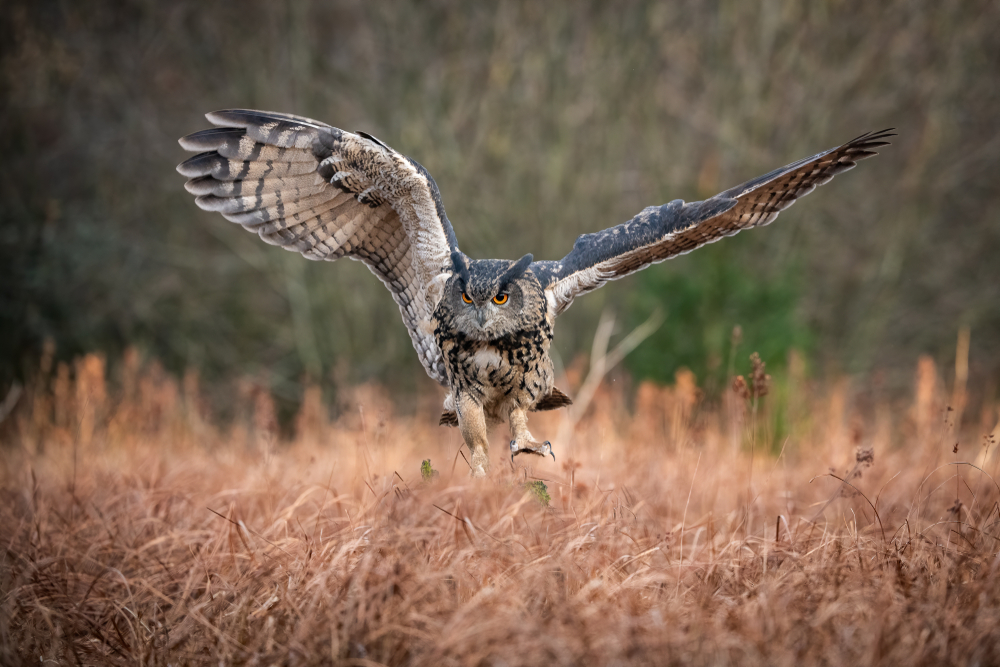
x=496 y=355
x=481 y=328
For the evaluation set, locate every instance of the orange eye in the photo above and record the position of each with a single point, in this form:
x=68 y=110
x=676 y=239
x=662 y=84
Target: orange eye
x=500 y=299
x=465 y=298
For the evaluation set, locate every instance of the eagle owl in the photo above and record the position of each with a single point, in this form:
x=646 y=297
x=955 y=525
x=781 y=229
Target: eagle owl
x=482 y=328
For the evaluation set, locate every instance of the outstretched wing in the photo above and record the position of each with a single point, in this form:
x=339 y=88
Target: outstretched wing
x=327 y=194
x=662 y=232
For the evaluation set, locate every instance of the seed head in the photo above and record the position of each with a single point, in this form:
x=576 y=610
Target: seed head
x=760 y=381
x=865 y=456
x=740 y=387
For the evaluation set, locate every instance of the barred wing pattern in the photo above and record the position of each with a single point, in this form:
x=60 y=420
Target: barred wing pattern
x=326 y=193
x=661 y=232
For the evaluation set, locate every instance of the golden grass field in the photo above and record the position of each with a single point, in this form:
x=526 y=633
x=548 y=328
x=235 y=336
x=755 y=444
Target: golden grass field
x=678 y=531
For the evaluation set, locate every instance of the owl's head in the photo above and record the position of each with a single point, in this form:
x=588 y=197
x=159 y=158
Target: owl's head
x=491 y=298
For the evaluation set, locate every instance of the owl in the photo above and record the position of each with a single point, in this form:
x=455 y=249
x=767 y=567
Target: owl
x=481 y=328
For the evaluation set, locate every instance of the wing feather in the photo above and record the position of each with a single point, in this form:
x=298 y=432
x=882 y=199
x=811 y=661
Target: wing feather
x=326 y=193
x=207 y=185
x=661 y=232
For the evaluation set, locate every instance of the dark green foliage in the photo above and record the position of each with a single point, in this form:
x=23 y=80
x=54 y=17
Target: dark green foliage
x=705 y=295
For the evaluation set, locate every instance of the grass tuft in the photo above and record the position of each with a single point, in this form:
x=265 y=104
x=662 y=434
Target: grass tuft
x=539 y=491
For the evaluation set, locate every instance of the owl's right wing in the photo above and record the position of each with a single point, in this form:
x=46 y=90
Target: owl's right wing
x=661 y=232
x=326 y=193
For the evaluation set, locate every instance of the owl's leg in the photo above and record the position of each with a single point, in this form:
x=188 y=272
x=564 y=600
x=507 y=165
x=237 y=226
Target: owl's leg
x=521 y=440
x=472 y=421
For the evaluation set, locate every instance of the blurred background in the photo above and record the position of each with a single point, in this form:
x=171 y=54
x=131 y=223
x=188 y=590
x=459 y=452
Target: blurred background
x=539 y=121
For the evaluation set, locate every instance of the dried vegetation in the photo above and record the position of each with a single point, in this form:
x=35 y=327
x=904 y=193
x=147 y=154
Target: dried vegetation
x=138 y=532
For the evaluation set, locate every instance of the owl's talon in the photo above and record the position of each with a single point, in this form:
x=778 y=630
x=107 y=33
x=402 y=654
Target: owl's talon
x=534 y=448
x=548 y=446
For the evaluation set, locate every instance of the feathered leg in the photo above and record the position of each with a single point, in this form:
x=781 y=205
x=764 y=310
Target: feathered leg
x=472 y=421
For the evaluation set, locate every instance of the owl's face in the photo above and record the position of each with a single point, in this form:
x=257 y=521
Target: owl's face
x=491 y=298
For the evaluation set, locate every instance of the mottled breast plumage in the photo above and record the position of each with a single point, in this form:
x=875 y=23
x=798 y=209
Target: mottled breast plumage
x=494 y=330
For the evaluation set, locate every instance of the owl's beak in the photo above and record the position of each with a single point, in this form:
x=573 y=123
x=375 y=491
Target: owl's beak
x=481 y=316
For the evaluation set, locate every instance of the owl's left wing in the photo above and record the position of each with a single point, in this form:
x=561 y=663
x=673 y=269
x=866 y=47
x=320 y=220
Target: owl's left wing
x=661 y=232
x=326 y=193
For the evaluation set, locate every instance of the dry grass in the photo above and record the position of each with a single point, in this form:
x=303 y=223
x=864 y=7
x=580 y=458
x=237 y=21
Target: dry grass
x=138 y=533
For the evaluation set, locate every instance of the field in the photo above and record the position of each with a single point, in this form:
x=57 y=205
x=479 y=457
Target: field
x=806 y=525
x=266 y=483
